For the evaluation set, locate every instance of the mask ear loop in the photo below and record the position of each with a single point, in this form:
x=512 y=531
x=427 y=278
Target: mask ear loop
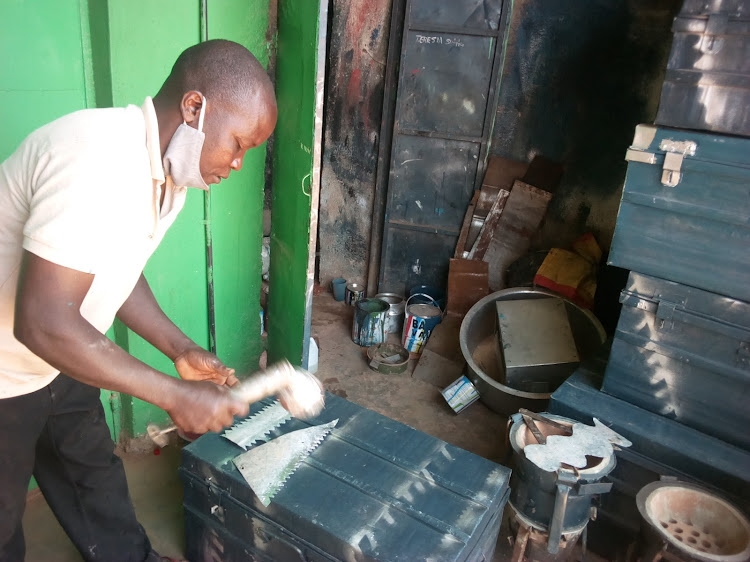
x=201 y=114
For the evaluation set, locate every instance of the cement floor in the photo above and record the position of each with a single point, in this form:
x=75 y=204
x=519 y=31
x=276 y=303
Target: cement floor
x=155 y=487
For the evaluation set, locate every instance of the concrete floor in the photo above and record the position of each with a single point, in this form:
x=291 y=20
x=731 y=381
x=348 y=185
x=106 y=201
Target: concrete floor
x=155 y=487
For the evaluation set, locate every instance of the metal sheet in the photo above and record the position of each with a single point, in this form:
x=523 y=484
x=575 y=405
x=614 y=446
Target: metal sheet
x=451 y=53
x=418 y=257
x=535 y=332
x=472 y=14
x=444 y=82
x=429 y=181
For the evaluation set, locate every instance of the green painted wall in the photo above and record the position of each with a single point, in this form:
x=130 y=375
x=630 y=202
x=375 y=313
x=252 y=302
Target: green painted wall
x=296 y=64
x=237 y=207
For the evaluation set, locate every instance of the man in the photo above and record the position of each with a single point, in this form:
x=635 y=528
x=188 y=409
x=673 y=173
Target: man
x=84 y=201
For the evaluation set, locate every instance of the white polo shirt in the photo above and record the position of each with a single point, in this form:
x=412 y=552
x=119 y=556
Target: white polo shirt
x=82 y=192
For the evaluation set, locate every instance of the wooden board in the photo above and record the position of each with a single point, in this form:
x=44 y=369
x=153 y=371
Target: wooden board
x=523 y=213
x=479 y=248
x=461 y=244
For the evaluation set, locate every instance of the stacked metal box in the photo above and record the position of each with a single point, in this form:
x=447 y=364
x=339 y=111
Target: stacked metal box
x=374 y=490
x=677 y=379
x=682 y=346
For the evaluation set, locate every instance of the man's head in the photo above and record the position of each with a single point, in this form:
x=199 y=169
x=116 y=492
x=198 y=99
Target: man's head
x=240 y=111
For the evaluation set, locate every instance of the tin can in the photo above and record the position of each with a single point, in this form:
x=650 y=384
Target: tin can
x=354 y=293
x=395 y=318
x=420 y=320
x=368 y=324
x=460 y=394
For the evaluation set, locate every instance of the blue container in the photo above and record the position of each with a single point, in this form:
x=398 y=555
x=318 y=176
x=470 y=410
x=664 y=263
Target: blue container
x=419 y=321
x=428 y=294
x=374 y=489
x=338 y=288
x=683 y=353
x=685 y=208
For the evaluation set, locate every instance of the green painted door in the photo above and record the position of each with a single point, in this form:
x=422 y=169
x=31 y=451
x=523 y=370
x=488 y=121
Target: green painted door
x=296 y=176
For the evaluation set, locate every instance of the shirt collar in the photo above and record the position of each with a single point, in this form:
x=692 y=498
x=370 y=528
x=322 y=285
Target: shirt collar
x=153 y=144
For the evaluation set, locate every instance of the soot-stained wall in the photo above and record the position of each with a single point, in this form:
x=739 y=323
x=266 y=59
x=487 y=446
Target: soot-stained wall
x=578 y=77
x=358 y=42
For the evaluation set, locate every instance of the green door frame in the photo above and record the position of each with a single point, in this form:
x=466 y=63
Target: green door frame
x=300 y=79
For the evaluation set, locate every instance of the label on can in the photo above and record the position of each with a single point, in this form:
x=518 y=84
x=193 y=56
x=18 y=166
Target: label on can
x=460 y=394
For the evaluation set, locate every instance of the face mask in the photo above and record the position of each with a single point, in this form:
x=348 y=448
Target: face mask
x=183 y=155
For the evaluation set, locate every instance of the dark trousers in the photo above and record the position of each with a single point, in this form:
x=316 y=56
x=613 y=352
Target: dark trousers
x=59 y=434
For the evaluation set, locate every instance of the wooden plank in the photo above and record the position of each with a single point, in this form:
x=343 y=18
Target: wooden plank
x=461 y=244
x=521 y=217
x=500 y=174
x=482 y=242
x=467 y=284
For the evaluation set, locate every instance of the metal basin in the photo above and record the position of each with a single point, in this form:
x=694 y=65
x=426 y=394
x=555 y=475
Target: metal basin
x=477 y=338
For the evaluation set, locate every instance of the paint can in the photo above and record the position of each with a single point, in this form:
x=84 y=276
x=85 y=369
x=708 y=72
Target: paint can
x=460 y=394
x=420 y=320
x=354 y=293
x=368 y=326
x=428 y=294
x=395 y=318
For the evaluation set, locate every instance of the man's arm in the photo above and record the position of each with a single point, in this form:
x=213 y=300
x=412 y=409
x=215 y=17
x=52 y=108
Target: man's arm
x=48 y=321
x=142 y=314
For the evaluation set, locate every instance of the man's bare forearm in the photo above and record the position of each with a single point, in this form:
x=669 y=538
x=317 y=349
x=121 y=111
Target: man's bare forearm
x=142 y=314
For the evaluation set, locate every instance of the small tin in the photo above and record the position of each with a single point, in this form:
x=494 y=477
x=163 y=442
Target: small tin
x=460 y=394
x=354 y=293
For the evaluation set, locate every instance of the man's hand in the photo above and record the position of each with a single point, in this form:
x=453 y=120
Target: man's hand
x=200 y=406
x=197 y=364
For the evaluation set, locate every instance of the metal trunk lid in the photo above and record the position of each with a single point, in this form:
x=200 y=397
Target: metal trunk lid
x=685 y=208
x=375 y=489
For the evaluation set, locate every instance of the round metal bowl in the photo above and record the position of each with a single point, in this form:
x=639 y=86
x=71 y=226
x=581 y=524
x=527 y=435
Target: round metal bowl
x=477 y=339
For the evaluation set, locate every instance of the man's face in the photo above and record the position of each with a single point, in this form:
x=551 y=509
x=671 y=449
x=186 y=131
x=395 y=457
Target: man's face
x=230 y=133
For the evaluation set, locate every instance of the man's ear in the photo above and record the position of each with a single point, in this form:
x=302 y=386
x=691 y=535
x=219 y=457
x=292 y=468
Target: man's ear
x=190 y=107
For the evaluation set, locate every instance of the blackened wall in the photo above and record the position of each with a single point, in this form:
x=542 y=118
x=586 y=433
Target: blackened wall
x=578 y=77
x=358 y=41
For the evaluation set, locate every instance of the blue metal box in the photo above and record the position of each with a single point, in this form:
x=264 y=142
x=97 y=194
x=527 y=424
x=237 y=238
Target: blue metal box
x=707 y=84
x=374 y=489
x=685 y=210
x=683 y=353
x=660 y=447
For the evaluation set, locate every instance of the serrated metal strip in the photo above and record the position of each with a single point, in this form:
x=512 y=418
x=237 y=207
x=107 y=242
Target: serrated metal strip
x=258 y=426
x=267 y=467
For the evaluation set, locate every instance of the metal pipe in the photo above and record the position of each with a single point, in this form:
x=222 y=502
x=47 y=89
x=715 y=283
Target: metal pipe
x=558 y=517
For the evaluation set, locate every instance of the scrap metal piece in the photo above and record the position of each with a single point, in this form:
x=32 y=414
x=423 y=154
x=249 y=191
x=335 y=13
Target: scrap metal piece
x=266 y=467
x=596 y=441
x=258 y=426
